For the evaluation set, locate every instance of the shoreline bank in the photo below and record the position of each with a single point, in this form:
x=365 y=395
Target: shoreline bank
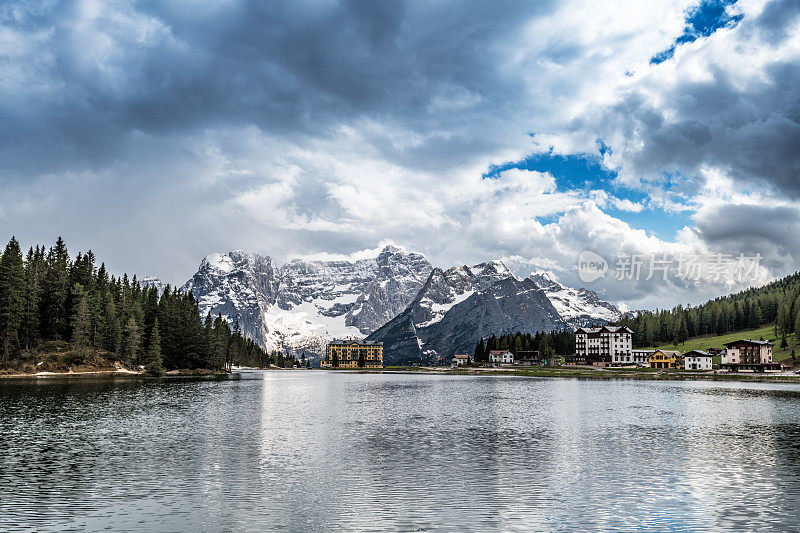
x=116 y=373
x=561 y=372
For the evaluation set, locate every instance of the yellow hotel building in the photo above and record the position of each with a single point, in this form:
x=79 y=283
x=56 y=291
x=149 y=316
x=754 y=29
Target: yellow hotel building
x=346 y=353
x=666 y=359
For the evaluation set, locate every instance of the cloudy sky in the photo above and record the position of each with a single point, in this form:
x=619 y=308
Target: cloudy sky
x=157 y=132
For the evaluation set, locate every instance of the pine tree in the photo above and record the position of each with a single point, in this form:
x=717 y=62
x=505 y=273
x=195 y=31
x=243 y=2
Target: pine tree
x=545 y=350
x=116 y=336
x=797 y=327
x=132 y=339
x=234 y=354
x=152 y=361
x=12 y=300
x=755 y=316
x=56 y=291
x=491 y=344
x=80 y=321
x=30 y=328
x=219 y=344
x=780 y=321
x=683 y=331
x=518 y=343
x=504 y=344
x=479 y=354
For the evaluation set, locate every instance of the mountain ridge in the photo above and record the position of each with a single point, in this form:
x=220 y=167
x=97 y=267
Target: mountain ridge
x=300 y=305
x=304 y=303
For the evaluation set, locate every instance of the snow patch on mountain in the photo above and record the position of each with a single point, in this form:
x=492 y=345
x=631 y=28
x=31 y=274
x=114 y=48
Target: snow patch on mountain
x=578 y=307
x=301 y=305
x=304 y=303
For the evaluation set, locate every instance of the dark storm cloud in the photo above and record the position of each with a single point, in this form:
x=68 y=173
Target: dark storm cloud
x=290 y=68
x=776 y=19
x=767 y=230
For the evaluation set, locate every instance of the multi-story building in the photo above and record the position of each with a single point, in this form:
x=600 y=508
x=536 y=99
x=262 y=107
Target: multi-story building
x=666 y=359
x=604 y=346
x=749 y=356
x=348 y=353
x=641 y=357
x=529 y=358
x=697 y=360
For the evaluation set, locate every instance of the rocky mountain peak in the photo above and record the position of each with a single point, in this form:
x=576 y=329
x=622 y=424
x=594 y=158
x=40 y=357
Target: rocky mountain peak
x=578 y=307
x=302 y=304
x=305 y=302
x=545 y=279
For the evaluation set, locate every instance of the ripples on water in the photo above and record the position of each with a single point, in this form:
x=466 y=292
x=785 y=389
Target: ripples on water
x=301 y=450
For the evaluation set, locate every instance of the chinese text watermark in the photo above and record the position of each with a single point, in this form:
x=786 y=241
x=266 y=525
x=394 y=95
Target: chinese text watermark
x=715 y=268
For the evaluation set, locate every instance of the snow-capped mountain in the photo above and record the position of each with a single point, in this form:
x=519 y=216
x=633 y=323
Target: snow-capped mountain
x=578 y=307
x=239 y=286
x=456 y=307
x=152 y=281
x=303 y=304
x=397 y=297
x=444 y=289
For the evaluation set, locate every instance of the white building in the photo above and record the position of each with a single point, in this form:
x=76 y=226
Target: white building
x=460 y=360
x=501 y=357
x=697 y=360
x=607 y=345
x=641 y=357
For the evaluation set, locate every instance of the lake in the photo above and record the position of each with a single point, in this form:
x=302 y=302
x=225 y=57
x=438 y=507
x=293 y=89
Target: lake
x=316 y=450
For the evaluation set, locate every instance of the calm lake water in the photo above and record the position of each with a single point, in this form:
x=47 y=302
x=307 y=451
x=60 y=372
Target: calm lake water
x=315 y=450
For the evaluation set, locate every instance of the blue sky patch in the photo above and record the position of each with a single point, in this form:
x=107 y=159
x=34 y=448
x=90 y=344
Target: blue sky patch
x=701 y=21
x=576 y=171
x=586 y=172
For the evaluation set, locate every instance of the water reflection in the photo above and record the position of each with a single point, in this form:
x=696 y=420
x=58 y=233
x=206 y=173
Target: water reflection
x=320 y=450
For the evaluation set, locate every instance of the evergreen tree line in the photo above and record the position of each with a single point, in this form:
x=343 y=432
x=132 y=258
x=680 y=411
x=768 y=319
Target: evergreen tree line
x=777 y=303
x=282 y=360
x=47 y=296
x=559 y=342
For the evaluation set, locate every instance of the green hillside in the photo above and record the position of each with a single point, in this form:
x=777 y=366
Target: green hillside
x=717 y=341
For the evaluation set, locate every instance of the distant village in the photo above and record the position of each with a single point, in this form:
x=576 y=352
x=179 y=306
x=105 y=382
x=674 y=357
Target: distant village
x=612 y=346
x=605 y=346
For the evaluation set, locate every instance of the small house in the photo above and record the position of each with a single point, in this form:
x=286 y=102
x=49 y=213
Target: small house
x=501 y=357
x=697 y=360
x=641 y=357
x=528 y=358
x=459 y=360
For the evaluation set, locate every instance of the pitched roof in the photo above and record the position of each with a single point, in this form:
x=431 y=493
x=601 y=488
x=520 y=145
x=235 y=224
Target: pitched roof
x=697 y=353
x=750 y=341
x=668 y=353
x=605 y=329
x=348 y=342
x=460 y=356
x=618 y=329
